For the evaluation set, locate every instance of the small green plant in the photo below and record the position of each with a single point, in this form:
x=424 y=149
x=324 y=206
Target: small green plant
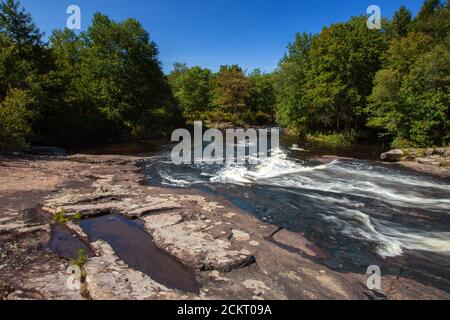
x=80 y=260
x=62 y=218
x=77 y=216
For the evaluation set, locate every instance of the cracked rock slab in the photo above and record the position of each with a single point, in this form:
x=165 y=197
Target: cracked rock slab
x=190 y=243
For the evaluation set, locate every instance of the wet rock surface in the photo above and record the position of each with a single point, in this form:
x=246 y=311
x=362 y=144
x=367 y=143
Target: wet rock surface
x=231 y=255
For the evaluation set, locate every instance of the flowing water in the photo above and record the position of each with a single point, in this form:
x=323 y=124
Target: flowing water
x=359 y=212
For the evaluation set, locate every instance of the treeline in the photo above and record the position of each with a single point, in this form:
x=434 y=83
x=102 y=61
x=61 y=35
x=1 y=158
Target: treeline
x=389 y=85
x=393 y=82
x=229 y=95
x=105 y=83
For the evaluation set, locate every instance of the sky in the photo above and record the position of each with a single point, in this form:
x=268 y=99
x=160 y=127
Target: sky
x=211 y=33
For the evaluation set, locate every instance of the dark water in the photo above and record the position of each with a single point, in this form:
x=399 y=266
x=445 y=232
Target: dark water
x=135 y=246
x=143 y=148
x=65 y=244
x=360 y=212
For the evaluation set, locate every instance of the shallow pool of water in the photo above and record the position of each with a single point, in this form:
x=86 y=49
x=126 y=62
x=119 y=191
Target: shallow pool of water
x=135 y=246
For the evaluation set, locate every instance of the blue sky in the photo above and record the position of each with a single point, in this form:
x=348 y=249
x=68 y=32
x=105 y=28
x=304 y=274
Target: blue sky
x=211 y=33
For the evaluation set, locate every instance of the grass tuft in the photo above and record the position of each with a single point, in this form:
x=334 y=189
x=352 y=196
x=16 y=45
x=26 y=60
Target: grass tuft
x=80 y=260
x=62 y=218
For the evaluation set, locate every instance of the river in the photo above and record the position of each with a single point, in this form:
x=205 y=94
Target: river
x=358 y=211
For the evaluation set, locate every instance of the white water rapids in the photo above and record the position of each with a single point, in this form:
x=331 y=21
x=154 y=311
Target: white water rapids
x=363 y=200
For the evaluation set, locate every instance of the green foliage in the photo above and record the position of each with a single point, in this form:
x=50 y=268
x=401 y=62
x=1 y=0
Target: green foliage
x=227 y=96
x=192 y=87
x=121 y=74
x=263 y=99
x=80 y=260
x=232 y=90
x=351 y=79
x=18 y=24
x=13 y=69
x=410 y=99
x=402 y=21
x=332 y=140
x=107 y=83
x=324 y=80
x=15 y=120
x=290 y=83
x=77 y=216
x=61 y=217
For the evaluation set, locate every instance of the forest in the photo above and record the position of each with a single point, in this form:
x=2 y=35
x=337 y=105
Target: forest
x=106 y=83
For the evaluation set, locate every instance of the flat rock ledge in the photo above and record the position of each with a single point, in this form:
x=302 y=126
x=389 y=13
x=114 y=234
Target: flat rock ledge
x=232 y=254
x=434 y=161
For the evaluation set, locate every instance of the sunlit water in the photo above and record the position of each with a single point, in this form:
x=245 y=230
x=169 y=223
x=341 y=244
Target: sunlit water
x=359 y=212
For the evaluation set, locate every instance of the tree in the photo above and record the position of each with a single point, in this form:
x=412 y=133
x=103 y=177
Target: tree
x=429 y=7
x=66 y=113
x=121 y=72
x=410 y=99
x=178 y=70
x=106 y=83
x=232 y=90
x=290 y=84
x=192 y=89
x=426 y=91
x=14 y=120
x=17 y=25
x=326 y=80
x=401 y=21
x=13 y=70
x=433 y=19
x=263 y=99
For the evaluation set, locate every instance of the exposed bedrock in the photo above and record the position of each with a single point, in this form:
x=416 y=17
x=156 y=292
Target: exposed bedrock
x=233 y=255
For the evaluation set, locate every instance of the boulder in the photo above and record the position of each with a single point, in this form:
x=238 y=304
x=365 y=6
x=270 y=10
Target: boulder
x=392 y=156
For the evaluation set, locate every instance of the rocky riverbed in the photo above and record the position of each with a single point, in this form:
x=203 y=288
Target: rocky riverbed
x=214 y=248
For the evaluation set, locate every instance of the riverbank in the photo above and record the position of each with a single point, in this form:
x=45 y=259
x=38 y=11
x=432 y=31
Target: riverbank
x=433 y=161
x=230 y=254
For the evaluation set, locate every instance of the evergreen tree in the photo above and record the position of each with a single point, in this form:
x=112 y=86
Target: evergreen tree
x=402 y=21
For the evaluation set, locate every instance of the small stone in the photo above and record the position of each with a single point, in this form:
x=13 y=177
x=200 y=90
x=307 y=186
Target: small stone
x=254 y=243
x=230 y=215
x=240 y=236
